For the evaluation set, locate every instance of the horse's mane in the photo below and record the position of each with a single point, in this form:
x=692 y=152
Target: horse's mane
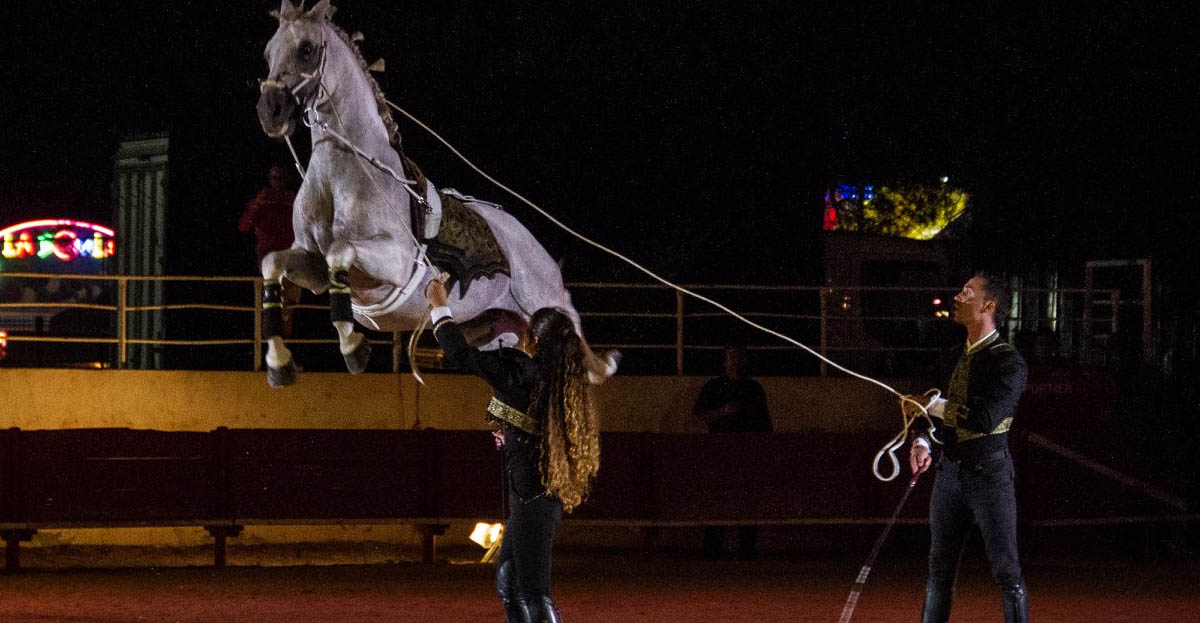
x=381 y=103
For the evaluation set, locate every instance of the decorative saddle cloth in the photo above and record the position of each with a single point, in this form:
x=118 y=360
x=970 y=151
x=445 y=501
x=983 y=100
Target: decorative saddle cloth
x=464 y=246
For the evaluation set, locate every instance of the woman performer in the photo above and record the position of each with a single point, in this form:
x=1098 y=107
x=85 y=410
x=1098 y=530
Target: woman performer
x=545 y=419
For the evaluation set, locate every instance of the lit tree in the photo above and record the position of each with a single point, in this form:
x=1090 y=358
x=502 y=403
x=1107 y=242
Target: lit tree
x=917 y=211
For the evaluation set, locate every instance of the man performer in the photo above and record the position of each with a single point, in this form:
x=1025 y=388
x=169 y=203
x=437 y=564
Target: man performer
x=974 y=483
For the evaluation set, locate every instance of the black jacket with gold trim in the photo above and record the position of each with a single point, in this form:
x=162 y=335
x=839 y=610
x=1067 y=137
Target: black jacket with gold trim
x=510 y=373
x=994 y=386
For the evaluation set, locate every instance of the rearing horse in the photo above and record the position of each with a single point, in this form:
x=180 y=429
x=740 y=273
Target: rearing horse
x=365 y=231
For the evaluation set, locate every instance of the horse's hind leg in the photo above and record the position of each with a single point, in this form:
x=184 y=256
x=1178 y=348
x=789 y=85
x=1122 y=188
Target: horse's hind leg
x=355 y=348
x=297 y=264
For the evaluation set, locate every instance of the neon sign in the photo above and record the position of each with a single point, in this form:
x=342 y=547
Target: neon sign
x=61 y=239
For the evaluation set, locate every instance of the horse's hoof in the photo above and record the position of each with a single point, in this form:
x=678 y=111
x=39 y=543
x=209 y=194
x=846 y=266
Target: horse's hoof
x=282 y=377
x=356 y=361
x=611 y=360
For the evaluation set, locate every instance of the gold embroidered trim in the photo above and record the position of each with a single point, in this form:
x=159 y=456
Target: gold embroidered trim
x=513 y=417
x=1002 y=427
x=985 y=343
x=437 y=325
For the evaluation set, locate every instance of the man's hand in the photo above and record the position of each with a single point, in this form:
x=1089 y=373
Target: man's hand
x=436 y=293
x=498 y=435
x=919 y=459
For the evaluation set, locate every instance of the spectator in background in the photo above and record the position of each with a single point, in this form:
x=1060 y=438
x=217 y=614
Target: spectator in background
x=733 y=403
x=269 y=216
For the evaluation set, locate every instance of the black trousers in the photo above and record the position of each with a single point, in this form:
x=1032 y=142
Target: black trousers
x=974 y=493
x=528 y=535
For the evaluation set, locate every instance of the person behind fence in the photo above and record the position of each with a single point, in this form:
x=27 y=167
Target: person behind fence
x=547 y=424
x=984 y=378
x=732 y=403
x=269 y=216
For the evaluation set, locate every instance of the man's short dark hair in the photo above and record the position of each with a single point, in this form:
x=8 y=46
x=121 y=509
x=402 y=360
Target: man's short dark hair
x=995 y=288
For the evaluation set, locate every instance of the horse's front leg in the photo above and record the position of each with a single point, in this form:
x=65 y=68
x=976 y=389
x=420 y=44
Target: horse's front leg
x=300 y=266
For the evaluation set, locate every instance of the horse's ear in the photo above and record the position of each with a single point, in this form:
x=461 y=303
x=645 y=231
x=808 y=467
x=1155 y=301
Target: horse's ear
x=321 y=10
x=287 y=10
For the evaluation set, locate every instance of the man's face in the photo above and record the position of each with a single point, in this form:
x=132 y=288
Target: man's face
x=276 y=178
x=971 y=304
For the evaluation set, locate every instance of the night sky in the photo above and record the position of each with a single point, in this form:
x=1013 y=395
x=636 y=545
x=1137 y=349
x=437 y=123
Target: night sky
x=697 y=137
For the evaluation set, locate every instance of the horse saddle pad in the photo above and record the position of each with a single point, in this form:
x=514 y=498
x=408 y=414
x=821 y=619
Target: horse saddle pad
x=465 y=246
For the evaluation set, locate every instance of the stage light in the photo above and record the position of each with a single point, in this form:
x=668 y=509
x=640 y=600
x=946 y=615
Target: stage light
x=937 y=301
x=488 y=536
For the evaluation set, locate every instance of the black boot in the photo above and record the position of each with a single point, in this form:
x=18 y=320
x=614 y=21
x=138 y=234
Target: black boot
x=1016 y=604
x=516 y=610
x=543 y=610
x=937 y=603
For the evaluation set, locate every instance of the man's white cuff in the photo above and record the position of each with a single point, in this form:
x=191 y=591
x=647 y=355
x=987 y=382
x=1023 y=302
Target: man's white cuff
x=437 y=313
x=920 y=441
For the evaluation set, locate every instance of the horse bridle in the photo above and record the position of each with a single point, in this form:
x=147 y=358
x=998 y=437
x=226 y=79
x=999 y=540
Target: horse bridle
x=321 y=93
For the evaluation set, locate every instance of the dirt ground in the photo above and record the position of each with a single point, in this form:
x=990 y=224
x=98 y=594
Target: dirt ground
x=608 y=587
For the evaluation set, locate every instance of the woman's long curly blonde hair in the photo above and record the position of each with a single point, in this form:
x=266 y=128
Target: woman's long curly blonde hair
x=562 y=400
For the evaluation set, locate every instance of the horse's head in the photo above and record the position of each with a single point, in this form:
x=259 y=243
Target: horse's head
x=295 y=58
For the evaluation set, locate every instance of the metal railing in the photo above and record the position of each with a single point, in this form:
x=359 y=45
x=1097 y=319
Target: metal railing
x=853 y=323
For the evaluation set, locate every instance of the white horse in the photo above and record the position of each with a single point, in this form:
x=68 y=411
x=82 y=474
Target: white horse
x=357 y=233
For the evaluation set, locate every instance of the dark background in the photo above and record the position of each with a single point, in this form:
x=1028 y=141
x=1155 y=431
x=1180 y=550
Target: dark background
x=697 y=137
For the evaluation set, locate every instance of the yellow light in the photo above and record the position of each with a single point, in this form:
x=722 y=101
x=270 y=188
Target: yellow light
x=488 y=536
x=485 y=534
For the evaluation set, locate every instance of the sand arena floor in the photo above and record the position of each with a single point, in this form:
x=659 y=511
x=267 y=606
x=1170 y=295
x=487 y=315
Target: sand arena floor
x=597 y=588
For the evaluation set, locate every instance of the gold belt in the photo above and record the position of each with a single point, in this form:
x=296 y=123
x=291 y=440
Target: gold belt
x=512 y=416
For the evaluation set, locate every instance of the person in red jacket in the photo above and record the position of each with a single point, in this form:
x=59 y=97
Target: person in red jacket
x=269 y=216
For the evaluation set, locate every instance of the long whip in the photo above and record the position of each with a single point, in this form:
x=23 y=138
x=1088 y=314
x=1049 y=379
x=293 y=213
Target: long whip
x=852 y=601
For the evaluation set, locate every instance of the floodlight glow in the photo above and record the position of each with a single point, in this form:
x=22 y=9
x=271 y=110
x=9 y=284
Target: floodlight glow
x=488 y=536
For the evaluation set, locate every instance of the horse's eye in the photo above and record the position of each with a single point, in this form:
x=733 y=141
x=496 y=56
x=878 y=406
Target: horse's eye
x=306 y=48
